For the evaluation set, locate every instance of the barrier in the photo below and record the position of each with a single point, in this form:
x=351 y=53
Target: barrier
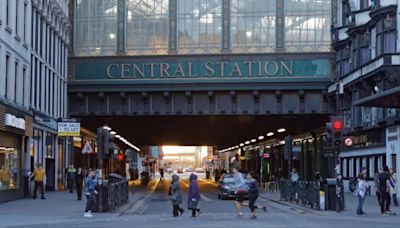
x=306 y=193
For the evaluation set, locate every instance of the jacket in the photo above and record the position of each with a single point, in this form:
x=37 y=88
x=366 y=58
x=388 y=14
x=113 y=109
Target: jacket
x=89 y=186
x=253 y=186
x=193 y=191
x=176 y=191
x=240 y=183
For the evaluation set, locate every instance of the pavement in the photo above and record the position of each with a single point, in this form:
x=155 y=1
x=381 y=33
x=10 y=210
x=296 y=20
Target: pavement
x=150 y=207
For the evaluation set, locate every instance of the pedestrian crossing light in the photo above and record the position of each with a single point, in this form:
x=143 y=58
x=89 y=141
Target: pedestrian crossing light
x=337 y=128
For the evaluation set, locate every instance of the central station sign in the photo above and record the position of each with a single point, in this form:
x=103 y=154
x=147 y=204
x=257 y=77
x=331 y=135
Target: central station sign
x=201 y=68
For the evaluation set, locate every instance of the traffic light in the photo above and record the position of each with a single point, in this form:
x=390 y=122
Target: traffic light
x=105 y=143
x=337 y=128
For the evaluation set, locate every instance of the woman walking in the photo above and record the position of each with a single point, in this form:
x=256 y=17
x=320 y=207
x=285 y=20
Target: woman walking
x=176 y=196
x=361 y=190
x=253 y=195
x=193 y=195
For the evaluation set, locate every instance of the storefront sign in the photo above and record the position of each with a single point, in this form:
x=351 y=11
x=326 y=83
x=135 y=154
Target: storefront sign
x=13 y=121
x=203 y=68
x=69 y=129
x=266 y=155
x=46 y=121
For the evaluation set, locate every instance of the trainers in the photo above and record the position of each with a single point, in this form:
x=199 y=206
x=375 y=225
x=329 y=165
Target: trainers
x=239 y=216
x=87 y=214
x=253 y=217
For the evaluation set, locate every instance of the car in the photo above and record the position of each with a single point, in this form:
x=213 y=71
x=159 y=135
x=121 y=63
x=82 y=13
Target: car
x=199 y=170
x=170 y=170
x=225 y=187
x=179 y=170
x=188 y=169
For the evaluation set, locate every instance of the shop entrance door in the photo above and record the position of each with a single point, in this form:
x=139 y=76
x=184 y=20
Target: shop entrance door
x=50 y=174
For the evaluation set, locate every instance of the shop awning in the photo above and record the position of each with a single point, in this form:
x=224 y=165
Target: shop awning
x=387 y=99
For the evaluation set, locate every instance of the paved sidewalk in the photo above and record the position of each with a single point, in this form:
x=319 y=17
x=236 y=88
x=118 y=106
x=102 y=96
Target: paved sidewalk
x=59 y=207
x=370 y=206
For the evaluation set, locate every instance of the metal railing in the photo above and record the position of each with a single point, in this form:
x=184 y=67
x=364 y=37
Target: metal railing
x=117 y=194
x=305 y=193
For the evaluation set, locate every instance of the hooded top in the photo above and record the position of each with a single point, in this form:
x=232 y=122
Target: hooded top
x=176 y=191
x=193 y=191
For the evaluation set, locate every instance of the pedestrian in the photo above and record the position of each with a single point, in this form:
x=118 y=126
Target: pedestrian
x=176 y=196
x=193 y=196
x=71 y=175
x=90 y=193
x=161 y=173
x=294 y=176
x=376 y=185
x=39 y=175
x=361 y=192
x=384 y=190
x=240 y=190
x=393 y=186
x=253 y=195
x=79 y=182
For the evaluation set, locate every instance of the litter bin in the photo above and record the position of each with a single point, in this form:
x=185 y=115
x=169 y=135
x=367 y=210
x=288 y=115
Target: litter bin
x=334 y=195
x=145 y=178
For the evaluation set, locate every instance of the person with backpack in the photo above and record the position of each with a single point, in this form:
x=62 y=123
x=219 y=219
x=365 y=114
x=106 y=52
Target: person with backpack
x=253 y=195
x=361 y=192
x=393 y=186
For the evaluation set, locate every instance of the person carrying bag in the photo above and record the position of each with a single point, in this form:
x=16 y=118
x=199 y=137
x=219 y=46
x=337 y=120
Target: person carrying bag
x=193 y=196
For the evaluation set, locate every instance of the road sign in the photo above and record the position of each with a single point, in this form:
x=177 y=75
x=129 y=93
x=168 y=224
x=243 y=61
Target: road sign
x=87 y=148
x=349 y=141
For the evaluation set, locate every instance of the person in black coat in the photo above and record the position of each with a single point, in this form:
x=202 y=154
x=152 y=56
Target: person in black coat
x=79 y=182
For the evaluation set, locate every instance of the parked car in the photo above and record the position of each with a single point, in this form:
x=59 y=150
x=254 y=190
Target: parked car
x=225 y=189
x=188 y=169
x=170 y=170
x=199 y=170
x=179 y=170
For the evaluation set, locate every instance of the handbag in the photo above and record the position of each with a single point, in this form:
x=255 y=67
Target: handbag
x=192 y=204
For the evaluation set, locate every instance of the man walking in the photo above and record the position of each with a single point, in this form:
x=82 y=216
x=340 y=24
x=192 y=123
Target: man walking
x=39 y=175
x=71 y=175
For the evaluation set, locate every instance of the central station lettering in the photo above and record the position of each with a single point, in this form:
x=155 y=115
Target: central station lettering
x=199 y=69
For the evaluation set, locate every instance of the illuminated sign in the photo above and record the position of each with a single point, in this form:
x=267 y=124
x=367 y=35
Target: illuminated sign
x=13 y=121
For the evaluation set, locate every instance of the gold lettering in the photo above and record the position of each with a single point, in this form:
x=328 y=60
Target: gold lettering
x=137 y=69
x=179 y=70
x=125 y=70
x=152 y=68
x=222 y=64
x=209 y=69
x=190 y=71
x=250 y=68
x=109 y=75
x=266 y=68
x=236 y=70
x=288 y=69
x=164 y=67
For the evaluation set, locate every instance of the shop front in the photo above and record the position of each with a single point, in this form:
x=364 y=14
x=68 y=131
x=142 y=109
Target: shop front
x=15 y=128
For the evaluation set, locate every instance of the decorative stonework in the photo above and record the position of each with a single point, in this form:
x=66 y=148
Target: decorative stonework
x=172 y=45
x=226 y=8
x=121 y=41
x=280 y=26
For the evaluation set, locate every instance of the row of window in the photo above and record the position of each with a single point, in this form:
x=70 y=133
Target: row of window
x=47 y=44
x=199 y=26
x=16 y=18
x=352 y=166
x=366 y=45
x=15 y=79
x=48 y=89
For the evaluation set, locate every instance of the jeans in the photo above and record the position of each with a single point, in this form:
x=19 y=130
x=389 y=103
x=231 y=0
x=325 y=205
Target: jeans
x=384 y=203
x=38 y=184
x=360 y=204
x=175 y=209
x=252 y=201
x=79 y=190
x=90 y=202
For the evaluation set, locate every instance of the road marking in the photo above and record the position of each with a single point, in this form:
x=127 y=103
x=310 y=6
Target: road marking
x=205 y=198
